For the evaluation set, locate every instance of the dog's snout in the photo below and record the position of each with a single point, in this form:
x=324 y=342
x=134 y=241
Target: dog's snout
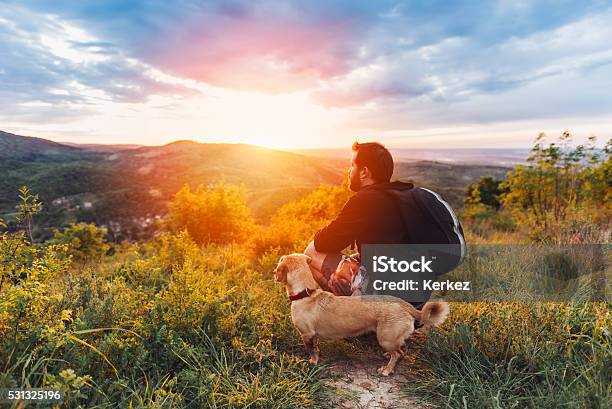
x=280 y=273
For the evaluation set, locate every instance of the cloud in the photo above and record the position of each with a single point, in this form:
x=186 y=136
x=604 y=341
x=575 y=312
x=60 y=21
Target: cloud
x=55 y=68
x=382 y=65
x=276 y=47
x=460 y=71
x=267 y=46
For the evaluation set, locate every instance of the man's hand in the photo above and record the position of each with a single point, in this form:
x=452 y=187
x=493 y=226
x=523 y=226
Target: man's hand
x=339 y=285
x=320 y=279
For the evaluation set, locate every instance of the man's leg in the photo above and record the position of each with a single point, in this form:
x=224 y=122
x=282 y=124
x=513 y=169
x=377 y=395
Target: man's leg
x=317 y=257
x=323 y=265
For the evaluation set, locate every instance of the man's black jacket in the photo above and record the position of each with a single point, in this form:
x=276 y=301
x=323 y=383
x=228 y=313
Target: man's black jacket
x=368 y=217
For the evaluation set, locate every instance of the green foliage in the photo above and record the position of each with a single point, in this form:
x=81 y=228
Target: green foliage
x=84 y=241
x=27 y=208
x=162 y=324
x=215 y=214
x=19 y=259
x=504 y=355
x=485 y=191
x=563 y=193
x=26 y=272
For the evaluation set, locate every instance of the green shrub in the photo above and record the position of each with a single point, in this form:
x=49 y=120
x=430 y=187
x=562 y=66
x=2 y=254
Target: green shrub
x=485 y=191
x=171 y=325
x=563 y=193
x=84 y=241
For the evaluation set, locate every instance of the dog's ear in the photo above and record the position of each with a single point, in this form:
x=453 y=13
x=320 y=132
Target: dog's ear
x=308 y=259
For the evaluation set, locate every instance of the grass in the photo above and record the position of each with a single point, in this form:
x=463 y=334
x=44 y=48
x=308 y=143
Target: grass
x=170 y=324
x=166 y=324
x=511 y=355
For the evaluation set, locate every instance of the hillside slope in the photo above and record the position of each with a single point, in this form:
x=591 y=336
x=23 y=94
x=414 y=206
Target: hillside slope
x=126 y=189
x=29 y=148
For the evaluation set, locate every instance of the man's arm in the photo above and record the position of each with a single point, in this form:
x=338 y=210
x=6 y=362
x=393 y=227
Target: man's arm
x=339 y=286
x=344 y=229
x=316 y=265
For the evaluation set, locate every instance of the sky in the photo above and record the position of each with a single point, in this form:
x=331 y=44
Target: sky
x=307 y=74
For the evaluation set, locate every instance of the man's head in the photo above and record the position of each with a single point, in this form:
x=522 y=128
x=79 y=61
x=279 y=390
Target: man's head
x=371 y=163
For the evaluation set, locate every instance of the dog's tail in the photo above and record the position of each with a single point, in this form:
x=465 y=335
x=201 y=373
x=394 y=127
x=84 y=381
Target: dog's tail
x=434 y=313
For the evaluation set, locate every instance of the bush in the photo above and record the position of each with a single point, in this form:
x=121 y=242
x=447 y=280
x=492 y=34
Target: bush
x=295 y=224
x=84 y=242
x=215 y=214
x=563 y=193
x=486 y=191
x=172 y=325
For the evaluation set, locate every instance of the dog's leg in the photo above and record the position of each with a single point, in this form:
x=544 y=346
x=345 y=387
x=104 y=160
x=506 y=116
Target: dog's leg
x=311 y=342
x=314 y=356
x=391 y=339
x=394 y=357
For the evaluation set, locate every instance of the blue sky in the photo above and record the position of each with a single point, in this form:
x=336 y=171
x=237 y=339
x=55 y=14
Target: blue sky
x=306 y=74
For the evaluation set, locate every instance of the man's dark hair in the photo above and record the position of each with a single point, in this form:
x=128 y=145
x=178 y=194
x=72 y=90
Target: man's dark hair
x=376 y=157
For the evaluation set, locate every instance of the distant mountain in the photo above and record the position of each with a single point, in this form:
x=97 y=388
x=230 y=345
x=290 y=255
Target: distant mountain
x=99 y=147
x=128 y=189
x=26 y=147
x=465 y=156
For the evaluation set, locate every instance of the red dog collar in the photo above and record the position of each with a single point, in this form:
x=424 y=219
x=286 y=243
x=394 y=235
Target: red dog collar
x=307 y=292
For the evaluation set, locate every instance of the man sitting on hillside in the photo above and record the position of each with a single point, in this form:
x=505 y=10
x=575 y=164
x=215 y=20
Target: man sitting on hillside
x=367 y=217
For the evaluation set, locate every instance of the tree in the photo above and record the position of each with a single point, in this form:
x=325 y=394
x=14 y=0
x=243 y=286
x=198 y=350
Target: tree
x=562 y=189
x=486 y=191
x=213 y=214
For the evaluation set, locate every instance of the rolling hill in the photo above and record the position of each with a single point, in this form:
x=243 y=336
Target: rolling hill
x=30 y=149
x=127 y=188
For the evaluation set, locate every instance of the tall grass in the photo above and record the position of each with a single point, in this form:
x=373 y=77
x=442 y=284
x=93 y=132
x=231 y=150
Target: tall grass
x=519 y=355
x=164 y=324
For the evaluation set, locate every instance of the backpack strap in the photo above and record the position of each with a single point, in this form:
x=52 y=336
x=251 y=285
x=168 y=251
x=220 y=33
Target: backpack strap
x=457 y=229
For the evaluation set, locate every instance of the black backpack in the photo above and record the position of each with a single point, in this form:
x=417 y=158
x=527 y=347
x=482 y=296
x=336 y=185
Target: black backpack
x=429 y=220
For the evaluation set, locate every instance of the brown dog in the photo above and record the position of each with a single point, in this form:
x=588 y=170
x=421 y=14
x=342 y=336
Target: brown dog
x=321 y=314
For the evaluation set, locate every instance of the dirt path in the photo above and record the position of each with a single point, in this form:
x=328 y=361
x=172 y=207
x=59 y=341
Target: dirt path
x=358 y=385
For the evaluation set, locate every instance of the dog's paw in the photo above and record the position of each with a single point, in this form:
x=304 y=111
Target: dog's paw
x=383 y=371
x=314 y=360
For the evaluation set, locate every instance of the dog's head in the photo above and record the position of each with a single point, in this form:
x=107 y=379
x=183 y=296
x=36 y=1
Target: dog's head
x=290 y=263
